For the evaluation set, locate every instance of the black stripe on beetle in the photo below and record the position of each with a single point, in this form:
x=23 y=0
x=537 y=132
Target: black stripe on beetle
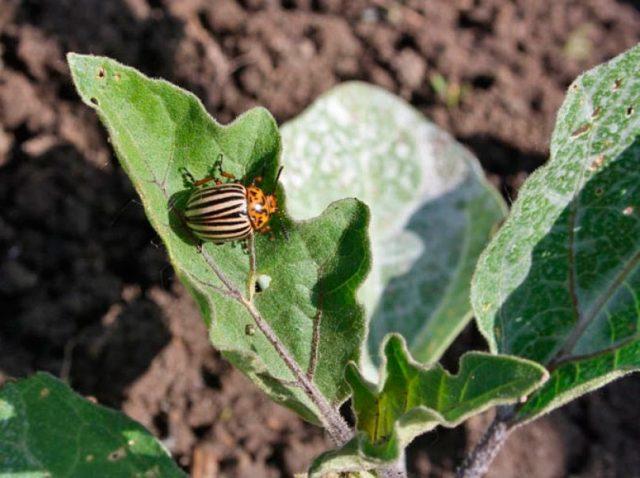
x=210 y=191
x=219 y=213
x=229 y=211
x=220 y=198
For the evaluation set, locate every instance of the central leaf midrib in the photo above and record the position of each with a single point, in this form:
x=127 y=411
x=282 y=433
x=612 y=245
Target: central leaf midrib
x=155 y=181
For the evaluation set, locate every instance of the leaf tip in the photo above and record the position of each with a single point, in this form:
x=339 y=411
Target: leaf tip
x=72 y=56
x=393 y=346
x=77 y=61
x=80 y=66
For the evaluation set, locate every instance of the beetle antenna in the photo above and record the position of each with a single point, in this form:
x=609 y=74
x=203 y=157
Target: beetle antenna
x=285 y=231
x=278 y=175
x=282 y=224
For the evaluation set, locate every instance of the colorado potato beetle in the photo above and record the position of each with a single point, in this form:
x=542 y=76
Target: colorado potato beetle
x=229 y=211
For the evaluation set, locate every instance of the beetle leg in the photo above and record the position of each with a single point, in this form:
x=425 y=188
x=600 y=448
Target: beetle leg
x=217 y=168
x=227 y=175
x=187 y=177
x=202 y=181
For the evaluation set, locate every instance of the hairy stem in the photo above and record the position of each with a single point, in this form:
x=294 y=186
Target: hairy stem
x=336 y=426
x=397 y=469
x=251 y=280
x=476 y=464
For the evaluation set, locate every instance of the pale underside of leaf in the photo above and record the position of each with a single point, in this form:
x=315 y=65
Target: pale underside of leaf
x=432 y=210
x=560 y=282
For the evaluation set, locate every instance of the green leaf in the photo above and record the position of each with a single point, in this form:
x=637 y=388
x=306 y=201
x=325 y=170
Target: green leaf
x=414 y=399
x=560 y=282
x=311 y=275
x=432 y=211
x=47 y=429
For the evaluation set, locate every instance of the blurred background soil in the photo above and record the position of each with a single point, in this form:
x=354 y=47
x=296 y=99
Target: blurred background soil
x=85 y=289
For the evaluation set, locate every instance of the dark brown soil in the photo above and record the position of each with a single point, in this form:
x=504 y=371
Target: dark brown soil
x=85 y=288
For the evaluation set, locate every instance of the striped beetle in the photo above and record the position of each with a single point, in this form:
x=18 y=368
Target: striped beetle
x=229 y=211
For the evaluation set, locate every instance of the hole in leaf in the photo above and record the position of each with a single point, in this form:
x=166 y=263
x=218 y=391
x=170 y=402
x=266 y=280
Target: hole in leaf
x=628 y=211
x=94 y=100
x=595 y=165
x=581 y=130
x=596 y=113
x=101 y=73
x=262 y=282
x=617 y=84
x=118 y=454
x=249 y=329
x=630 y=110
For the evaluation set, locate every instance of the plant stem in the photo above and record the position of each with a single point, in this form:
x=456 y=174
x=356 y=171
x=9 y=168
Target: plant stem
x=476 y=464
x=336 y=426
x=397 y=469
x=251 y=280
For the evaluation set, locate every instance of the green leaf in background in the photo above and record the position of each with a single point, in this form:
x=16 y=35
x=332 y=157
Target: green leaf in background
x=432 y=212
x=560 y=282
x=157 y=129
x=47 y=430
x=414 y=399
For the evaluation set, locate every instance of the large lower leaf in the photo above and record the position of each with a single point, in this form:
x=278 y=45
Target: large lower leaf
x=311 y=274
x=432 y=211
x=414 y=399
x=560 y=282
x=48 y=430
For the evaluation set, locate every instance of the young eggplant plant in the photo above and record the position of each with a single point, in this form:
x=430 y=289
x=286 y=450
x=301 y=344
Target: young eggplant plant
x=309 y=328
x=557 y=288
